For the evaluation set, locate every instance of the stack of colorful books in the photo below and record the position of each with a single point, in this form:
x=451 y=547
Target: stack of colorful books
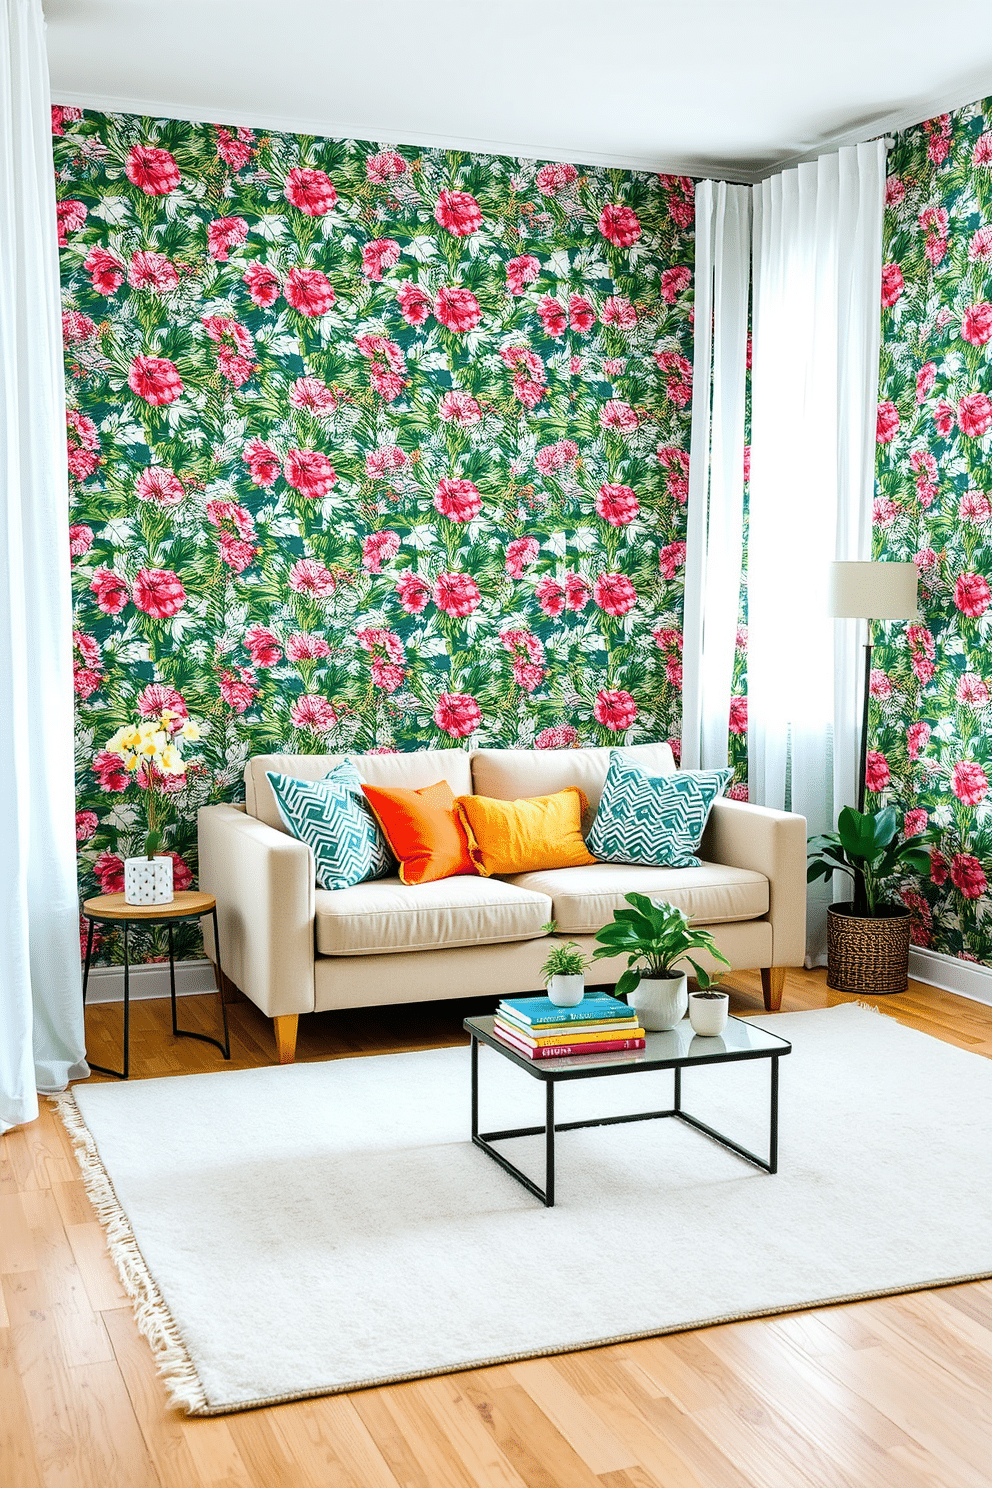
x=539 y=1029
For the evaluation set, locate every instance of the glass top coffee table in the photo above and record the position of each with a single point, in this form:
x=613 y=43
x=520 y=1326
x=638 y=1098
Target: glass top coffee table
x=676 y=1050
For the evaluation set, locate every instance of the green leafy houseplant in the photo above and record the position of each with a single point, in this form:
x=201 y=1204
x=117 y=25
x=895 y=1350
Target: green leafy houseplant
x=655 y=937
x=564 y=960
x=864 y=846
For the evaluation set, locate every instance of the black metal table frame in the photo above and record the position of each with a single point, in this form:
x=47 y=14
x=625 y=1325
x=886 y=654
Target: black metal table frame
x=170 y=920
x=550 y=1127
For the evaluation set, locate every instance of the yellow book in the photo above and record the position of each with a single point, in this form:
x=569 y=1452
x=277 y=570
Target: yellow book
x=568 y=1034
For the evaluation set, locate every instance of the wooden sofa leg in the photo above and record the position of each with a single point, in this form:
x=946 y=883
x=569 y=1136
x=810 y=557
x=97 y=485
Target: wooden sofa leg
x=286 y=1027
x=772 y=983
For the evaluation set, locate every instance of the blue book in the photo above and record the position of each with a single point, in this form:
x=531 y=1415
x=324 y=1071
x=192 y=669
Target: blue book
x=595 y=1007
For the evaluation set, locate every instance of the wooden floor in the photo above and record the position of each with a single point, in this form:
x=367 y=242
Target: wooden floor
x=894 y=1392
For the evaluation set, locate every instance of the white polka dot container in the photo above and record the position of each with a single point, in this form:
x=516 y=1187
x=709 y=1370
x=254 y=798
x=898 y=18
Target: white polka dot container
x=148 y=880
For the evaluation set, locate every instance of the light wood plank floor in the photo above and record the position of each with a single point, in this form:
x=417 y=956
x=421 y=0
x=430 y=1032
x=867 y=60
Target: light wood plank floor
x=885 y=1394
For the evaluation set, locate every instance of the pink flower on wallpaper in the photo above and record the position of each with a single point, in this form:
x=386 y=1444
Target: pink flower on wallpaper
x=112 y=593
x=975 y=508
x=969 y=782
x=617 y=505
x=110 y=772
x=105 y=270
x=938 y=867
x=263 y=285
x=388 y=671
x=379 y=548
x=108 y=869
x=263 y=645
x=458 y=213
x=387 y=675
x=614 y=594
x=457 y=594
x=224 y=329
x=921 y=928
x=182 y=874
x=458 y=714
x=666 y=636
x=895 y=191
x=314 y=713
x=923 y=462
x=972 y=594
x=915 y=822
x=223 y=234
x=935 y=249
x=919 y=638
x=379 y=462
x=86 y=824
x=982 y=152
x=76 y=327
x=968 y=876
x=614 y=709
x=619 y=225
x=520 y=554
x=553 y=316
x=313 y=395
x=263 y=463
x=458 y=500
x=80 y=539
x=457 y=309
x=69 y=216
x=884 y=511
x=673 y=283
x=413 y=591
x=159 y=486
x=520 y=272
x=158 y=696
x=303 y=647
x=943 y=419
x=886 y=423
x=384 y=166
x=971 y=691
x=415 y=305
x=309 y=291
x=925 y=559
x=974 y=415
x=618 y=415
x=219 y=512
x=155 y=379
x=310 y=190
x=236 y=369
x=980 y=247
x=310 y=472
x=925 y=379
x=737 y=791
x=976 y=325
x=562 y=736
x=892 y=284
x=85 y=681
x=528 y=655
x=620 y=312
x=158 y=593
x=64 y=114
x=550 y=596
x=379 y=254
x=82 y=444
x=575 y=366
x=676 y=462
x=235 y=149
x=924 y=670
x=390 y=642
x=741 y=639
x=555 y=177
x=673 y=671
x=877 y=775
x=459 y=408
x=152 y=271
x=389 y=385
x=671 y=558
x=527 y=390
x=581 y=316
x=153 y=171
x=556 y=456
x=738 y=715
x=879 y=684
x=87 y=646
x=578 y=592
x=310 y=576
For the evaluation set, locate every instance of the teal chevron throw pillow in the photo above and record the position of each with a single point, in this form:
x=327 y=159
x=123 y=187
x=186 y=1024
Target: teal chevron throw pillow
x=332 y=817
x=653 y=820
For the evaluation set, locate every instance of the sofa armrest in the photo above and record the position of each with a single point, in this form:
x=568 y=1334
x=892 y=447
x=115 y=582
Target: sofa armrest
x=740 y=835
x=263 y=881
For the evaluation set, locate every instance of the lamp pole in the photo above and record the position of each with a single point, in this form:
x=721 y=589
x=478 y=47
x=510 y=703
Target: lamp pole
x=863 y=769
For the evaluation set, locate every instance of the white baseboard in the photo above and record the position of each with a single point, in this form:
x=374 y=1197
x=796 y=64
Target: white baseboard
x=966 y=978
x=107 y=982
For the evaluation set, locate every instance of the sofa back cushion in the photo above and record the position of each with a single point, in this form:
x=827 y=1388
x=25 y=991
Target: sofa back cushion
x=411 y=770
x=511 y=774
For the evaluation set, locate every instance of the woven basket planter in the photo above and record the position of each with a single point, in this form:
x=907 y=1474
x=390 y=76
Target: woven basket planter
x=867 y=954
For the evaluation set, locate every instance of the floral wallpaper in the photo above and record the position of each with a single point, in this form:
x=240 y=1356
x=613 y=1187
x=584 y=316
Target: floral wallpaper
x=370 y=448
x=930 y=749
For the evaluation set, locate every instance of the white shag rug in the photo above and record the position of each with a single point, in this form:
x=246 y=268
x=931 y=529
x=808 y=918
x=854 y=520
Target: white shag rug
x=302 y=1230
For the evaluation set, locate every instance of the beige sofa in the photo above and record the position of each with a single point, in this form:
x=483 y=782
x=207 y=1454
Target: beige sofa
x=293 y=948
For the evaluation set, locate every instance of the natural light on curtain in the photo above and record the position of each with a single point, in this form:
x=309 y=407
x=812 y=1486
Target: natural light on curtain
x=817 y=285
x=716 y=485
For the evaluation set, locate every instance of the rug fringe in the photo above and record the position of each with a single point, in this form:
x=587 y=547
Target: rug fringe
x=150 y=1311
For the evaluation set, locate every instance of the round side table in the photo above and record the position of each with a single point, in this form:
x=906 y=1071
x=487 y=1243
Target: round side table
x=188 y=905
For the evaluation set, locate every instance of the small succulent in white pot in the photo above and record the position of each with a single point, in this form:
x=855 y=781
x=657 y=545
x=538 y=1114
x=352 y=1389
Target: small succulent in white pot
x=655 y=938
x=564 y=972
x=708 y=1012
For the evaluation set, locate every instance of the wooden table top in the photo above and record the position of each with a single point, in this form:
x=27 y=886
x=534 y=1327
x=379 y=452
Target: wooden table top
x=116 y=907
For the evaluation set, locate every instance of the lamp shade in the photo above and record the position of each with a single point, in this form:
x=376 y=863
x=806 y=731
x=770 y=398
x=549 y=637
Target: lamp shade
x=872 y=591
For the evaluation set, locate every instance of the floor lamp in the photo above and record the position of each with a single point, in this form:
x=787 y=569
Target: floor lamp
x=871 y=591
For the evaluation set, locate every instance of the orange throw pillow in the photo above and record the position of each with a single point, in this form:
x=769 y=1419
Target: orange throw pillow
x=423 y=829
x=523 y=836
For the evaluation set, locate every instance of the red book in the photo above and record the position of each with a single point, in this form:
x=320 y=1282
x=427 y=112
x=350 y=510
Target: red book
x=559 y=1051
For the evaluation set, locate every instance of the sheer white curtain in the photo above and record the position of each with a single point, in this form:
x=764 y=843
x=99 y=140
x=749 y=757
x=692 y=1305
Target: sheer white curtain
x=716 y=484
x=817 y=282
x=41 y=1018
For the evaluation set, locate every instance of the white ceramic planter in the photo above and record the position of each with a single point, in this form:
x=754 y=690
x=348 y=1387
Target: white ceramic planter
x=567 y=991
x=659 y=1002
x=148 y=881
x=708 y=1015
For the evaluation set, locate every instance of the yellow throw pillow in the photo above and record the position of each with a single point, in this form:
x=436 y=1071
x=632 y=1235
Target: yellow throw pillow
x=522 y=836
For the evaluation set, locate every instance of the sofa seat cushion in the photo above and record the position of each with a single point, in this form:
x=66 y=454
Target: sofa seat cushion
x=384 y=915
x=585 y=899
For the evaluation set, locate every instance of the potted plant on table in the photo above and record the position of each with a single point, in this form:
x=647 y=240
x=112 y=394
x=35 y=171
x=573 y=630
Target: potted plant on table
x=152 y=751
x=656 y=937
x=564 y=972
x=867 y=937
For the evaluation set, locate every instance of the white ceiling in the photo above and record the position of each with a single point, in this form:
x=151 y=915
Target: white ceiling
x=702 y=87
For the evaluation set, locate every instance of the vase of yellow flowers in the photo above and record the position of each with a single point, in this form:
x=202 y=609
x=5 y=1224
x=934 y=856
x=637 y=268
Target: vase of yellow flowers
x=152 y=751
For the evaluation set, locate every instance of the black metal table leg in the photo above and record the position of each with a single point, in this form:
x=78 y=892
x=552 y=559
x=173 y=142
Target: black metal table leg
x=89 y=953
x=475 y=1088
x=101 y=1069
x=773 y=1125
x=172 y=981
x=220 y=988
x=205 y=1038
x=549 y=1147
